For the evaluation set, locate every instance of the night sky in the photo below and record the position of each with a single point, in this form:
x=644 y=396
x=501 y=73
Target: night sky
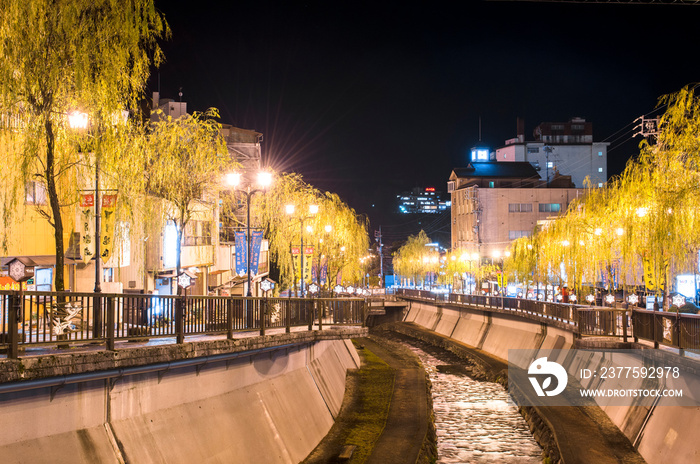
x=367 y=99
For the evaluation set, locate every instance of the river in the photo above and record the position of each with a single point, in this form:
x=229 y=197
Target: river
x=476 y=422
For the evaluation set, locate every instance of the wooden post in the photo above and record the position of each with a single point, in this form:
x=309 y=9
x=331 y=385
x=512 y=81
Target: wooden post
x=288 y=315
x=262 y=307
x=109 y=328
x=229 y=318
x=13 y=316
x=180 y=320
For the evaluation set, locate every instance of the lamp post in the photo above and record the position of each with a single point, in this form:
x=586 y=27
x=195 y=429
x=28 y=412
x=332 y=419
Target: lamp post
x=313 y=210
x=264 y=180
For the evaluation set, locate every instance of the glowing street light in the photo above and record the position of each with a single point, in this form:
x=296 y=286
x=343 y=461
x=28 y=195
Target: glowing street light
x=313 y=210
x=237 y=181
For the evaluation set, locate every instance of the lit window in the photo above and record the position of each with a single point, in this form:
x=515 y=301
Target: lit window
x=600 y=185
x=35 y=193
x=550 y=164
x=550 y=207
x=491 y=184
x=600 y=169
x=600 y=153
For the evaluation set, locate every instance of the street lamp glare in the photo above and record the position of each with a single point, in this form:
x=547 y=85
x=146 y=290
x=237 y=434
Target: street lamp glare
x=264 y=179
x=289 y=209
x=78 y=120
x=328 y=228
x=313 y=209
x=233 y=179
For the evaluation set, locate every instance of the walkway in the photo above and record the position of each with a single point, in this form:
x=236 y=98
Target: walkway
x=405 y=420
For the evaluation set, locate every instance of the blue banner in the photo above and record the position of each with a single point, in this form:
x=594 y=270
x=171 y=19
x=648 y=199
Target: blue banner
x=256 y=242
x=241 y=252
x=324 y=272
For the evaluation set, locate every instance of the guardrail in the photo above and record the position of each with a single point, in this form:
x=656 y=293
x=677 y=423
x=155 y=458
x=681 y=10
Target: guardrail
x=671 y=329
x=33 y=318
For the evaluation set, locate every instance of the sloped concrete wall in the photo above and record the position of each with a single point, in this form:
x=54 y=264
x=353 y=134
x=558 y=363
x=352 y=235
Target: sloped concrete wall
x=663 y=433
x=271 y=407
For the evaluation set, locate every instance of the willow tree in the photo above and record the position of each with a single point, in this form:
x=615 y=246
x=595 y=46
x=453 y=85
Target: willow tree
x=333 y=229
x=187 y=156
x=410 y=260
x=57 y=57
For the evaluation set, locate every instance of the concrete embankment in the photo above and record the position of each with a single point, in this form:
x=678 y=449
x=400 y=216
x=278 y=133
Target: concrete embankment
x=270 y=405
x=662 y=433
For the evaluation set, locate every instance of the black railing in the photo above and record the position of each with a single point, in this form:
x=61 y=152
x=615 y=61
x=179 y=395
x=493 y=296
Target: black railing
x=33 y=318
x=672 y=329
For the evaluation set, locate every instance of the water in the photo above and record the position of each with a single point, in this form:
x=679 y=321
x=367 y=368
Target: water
x=476 y=422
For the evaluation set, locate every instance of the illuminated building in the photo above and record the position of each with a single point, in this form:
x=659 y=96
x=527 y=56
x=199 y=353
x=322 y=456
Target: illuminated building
x=422 y=200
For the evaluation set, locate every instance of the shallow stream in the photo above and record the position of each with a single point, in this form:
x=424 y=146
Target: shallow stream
x=476 y=421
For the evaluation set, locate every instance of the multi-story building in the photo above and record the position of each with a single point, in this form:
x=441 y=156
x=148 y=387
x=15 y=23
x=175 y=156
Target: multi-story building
x=495 y=202
x=422 y=200
x=566 y=147
x=141 y=263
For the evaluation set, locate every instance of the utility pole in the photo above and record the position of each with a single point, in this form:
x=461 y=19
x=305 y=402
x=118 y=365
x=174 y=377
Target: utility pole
x=548 y=150
x=378 y=238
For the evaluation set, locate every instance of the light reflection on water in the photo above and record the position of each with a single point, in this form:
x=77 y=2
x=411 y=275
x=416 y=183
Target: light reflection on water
x=476 y=422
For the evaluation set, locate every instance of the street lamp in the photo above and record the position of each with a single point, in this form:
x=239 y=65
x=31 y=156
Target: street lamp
x=313 y=210
x=236 y=180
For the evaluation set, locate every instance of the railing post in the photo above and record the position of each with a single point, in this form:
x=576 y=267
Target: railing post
x=97 y=315
x=288 y=316
x=320 y=314
x=681 y=351
x=262 y=307
x=229 y=318
x=180 y=319
x=13 y=315
x=624 y=326
x=109 y=326
x=311 y=314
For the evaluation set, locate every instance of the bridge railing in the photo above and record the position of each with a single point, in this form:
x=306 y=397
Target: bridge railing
x=32 y=318
x=672 y=329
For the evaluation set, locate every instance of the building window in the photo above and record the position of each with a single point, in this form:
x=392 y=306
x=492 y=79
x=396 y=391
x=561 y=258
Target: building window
x=35 y=193
x=108 y=274
x=520 y=208
x=516 y=234
x=533 y=149
x=550 y=207
x=600 y=169
x=491 y=184
x=600 y=153
x=197 y=233
x=600 y=185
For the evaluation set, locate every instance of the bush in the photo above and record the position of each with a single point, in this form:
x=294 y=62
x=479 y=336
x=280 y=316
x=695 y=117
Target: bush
x=689 y=308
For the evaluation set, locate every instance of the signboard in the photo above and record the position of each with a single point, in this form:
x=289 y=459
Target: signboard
x=107 y=221
x=241 y=252
x=256 y=242
x=87 y=226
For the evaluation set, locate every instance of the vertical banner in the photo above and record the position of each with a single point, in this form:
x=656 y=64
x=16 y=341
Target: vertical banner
x=241 y=252
x=107 y=221
x=255 y=244
x=296 y=262
x=87 y=226
x=324 y=272
x=308 y=261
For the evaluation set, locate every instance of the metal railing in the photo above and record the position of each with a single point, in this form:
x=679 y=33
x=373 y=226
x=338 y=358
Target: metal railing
x=34 y=318
x=671 y=329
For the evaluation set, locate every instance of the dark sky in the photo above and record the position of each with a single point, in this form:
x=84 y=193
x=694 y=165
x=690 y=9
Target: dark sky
x=367 y=99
